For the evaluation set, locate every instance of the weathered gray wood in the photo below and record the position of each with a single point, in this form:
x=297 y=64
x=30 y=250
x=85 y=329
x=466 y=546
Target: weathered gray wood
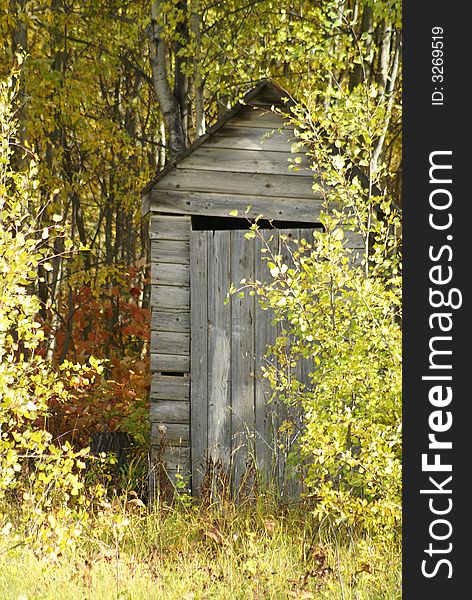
x=177 y=476
x=166 y=463
x=252 y=138
x=170 y=274
x=306 y=364
x=167 y=387
x=258 y=184
x=170 y=342
x=265 y=336
x=169 y=363
x=219 y=347
x=172 y=434
x=166 y=227
x=306 y=234
x=247 y=161
x=268 y=95
x=220 y=205
x=257 y=117
x=353 y=239
x=170 y=251
x=242 y=358
x=145 y=204
x=279 y=413
x=289 y=484
x=170 y=411
x=170 y=321
x=170 y=297
x=174 y=457
x=357 y=257
x=199 y=358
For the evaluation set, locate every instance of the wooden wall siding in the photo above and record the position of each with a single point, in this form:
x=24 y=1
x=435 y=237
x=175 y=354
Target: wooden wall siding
x=174 y=457
x=173 y=434
x=257 y=184
x=170 y=321
x=252 y=138
x=265 y=415
x=168 y=387
x=199 y=360
x=171 y=363
x=170 y=342
x=243 y=333
x=247 y=161
x=169 y=274
x=220 y=205
x=230 y=417
x=169 y=251
x=254 y=116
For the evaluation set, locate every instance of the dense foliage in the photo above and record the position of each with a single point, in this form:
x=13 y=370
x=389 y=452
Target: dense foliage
x=103 y=94
x=341 y=308
x=43 y=480
x=109 y=91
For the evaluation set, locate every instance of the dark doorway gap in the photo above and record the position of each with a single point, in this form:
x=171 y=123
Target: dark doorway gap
x=204 y=223
x=173 y=374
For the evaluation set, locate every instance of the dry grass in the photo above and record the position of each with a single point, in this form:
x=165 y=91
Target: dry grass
x=186 y=551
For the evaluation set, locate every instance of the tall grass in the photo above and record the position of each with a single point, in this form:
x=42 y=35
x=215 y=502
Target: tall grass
x=185 y=550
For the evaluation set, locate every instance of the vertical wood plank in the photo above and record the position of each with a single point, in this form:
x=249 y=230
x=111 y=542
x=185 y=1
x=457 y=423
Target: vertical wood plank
x=242 y=358
x=265 y=334
x=199 y=355
x=298 y=235
x=283 y=412
x=219 y=348
x=290 y=485
x=307 y=364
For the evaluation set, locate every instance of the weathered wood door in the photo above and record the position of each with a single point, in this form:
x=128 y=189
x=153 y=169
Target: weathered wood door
x=231 y=420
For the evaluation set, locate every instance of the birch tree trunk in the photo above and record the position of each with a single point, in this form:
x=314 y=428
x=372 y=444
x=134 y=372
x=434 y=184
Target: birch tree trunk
x=362 y=71
x=168 y=103
x=19 y=44
x=200 y=124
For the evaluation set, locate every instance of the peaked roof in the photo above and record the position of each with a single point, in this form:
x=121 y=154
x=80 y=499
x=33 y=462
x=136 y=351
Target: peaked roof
x=268 y=92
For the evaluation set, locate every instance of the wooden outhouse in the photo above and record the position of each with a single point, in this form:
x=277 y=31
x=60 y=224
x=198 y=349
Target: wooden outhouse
x=207 y=397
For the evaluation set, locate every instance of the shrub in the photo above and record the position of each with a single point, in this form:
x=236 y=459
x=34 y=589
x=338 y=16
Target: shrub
x=44 y=480
x=343 y=312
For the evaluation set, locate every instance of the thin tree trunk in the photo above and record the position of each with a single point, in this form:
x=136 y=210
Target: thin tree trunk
x=200 y=124
x=119 y=233
x=384 y=57
x=56 y=140
x=181 y=84
x=161 y=157
x=168 y=103
x=69 y=326
x=362 y=71
x=19 y=45
x=108 y=230
x=390 y=93
x=19 y=33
